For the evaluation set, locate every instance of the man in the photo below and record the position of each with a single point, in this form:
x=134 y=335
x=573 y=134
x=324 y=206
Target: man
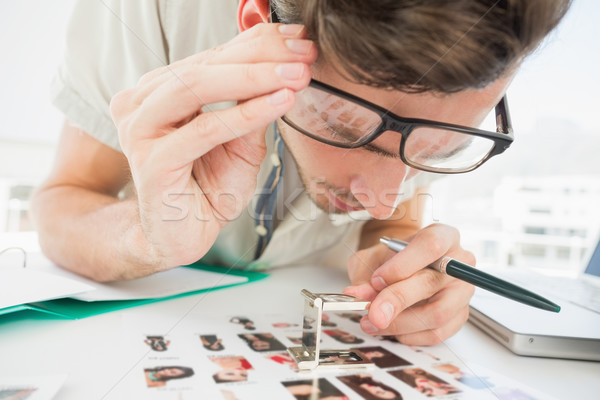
x=370 y=100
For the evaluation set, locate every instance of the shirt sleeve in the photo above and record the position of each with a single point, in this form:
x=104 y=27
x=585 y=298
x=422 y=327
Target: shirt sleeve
x=109 y=45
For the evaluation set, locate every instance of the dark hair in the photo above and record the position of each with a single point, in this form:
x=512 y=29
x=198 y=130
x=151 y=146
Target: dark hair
x=187 y=372
x=218 y=379
x=424 y=45
x=212 y=340
x=274 y=344
x=388 y=359
x=354 y=381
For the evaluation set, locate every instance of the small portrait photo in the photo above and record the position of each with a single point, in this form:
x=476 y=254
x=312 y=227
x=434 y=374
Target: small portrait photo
x=284 y=359
x=157 y=342
x=424 y=382
x=369 y=388
x=352 y=316
x=233 y=369
x=327 y=322
x=381 y=357
x=262 y=342
x=284 y=325
x=391 y=339
x=16 y=393
x=343 y=336
x=159 y=376
x=295 y=340
x=237 y=362
x=314 y=389
x=247 y=323
x=212 y=342
x=466 y=378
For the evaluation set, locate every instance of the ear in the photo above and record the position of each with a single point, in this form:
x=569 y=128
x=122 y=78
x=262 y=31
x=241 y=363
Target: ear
x=252 y=12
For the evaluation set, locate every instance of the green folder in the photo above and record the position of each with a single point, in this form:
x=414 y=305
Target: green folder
x=75 y=309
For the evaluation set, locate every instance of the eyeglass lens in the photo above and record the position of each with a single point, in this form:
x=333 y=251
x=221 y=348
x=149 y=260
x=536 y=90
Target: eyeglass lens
x=333 y=119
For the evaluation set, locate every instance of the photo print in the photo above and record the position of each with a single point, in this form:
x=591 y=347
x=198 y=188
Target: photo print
x=212 y=342
x=369 y=388
x=424 y=382
x=284 y=325
x=352 y=316
x=314 y=389
x=326 y=321
x=233 y=369
x=262 y=342
x=295 y=340
x=157 y=343
x=382 y=357
x=247 y=323
x=343 y=336
x=161 y=376
x=466 y=378
x=16 y=393
x=283 y=358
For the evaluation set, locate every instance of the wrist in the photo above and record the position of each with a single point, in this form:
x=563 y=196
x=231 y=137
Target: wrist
x=136 y=254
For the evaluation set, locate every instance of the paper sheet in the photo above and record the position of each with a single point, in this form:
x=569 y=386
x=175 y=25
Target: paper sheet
x=42 y=280
x=23 y=285
x=162 y=284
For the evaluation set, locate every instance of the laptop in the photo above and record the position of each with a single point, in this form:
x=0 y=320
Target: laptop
x=572 y=333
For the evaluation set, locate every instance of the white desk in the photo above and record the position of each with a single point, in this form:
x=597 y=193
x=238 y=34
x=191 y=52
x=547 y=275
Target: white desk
x=94 y=351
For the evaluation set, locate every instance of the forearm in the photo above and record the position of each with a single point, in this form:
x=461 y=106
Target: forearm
x=92 y=234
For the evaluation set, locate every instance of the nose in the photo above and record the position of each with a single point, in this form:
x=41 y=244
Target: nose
x=379 y=193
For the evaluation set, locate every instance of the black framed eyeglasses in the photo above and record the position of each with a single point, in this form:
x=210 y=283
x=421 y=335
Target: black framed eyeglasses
x=340 y=119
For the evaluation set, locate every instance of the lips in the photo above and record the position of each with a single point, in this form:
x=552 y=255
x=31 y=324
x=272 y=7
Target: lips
x=341 y=205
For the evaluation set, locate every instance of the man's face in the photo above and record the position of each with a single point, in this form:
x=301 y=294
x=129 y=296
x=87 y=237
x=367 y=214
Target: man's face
x=343 y=180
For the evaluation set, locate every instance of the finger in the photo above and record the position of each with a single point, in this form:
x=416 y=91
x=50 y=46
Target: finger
x=209 y=130
x=363 y=263
x=438 y=335
x=428 y=315
x=399 y=296
x=361 y=266
x=427 y=246
x=263 y=44
x=268 y=29
x=271 y=48
x=186 y=94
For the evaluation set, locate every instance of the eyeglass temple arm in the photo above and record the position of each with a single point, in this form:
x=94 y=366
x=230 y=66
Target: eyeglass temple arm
x=503 y=117
x=274 y=17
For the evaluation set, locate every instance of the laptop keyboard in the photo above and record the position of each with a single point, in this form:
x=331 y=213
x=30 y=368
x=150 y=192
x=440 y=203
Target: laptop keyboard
x=579 y=292
x=576 y=291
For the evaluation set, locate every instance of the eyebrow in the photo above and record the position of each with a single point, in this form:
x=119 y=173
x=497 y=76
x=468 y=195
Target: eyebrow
x=378 y=150
x=369 y=146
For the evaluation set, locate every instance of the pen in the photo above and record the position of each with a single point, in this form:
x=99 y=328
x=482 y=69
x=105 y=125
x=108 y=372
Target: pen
x=465 y=272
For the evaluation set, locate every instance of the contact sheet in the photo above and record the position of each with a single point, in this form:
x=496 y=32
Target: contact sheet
x=245 y=357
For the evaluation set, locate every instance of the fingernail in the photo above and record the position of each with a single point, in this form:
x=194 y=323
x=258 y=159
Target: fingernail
x=378 y=283
x=290 y=29
x=299 y=46
x=368 y=327
x=290 y=71
x=388 y=312
x=278 y=97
